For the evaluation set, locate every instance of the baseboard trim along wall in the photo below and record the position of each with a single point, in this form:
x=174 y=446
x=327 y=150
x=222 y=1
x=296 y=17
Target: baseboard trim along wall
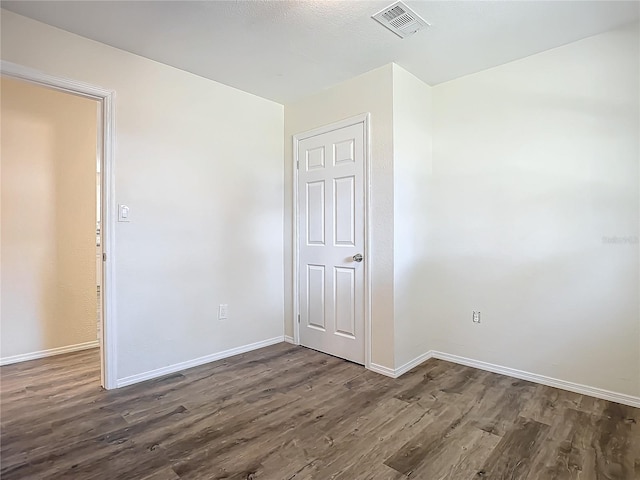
x=544 y=380
x=49 y=353
x=177 y=367
x=289 y=339
x=511 y=372
x=381 y=369
x=413 y=363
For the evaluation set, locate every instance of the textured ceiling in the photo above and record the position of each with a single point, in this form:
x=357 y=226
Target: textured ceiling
x=284 y=50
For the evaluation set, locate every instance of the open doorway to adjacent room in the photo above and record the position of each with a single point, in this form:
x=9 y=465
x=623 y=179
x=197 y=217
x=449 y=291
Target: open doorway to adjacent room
x=51 y=231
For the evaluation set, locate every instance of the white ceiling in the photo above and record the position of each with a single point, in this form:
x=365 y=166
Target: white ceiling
x=284 y=50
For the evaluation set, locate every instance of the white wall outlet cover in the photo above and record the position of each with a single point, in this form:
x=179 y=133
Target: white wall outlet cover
x=223 y=311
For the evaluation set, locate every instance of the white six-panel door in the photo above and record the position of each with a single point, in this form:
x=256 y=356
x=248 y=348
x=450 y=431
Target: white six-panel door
x=331 y=234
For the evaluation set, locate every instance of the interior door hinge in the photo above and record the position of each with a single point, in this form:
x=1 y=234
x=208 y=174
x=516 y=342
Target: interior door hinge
x=298 y=164
x=298 y=318
x=104 y=257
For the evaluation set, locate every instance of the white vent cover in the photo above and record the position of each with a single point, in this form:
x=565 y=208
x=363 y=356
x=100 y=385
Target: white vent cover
x=400 y=19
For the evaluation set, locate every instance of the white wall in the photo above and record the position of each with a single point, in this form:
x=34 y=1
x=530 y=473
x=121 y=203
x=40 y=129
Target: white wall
x=534 y=163
x=371 y=92
x=412 y=165
x=200 y=166
x=48 y=267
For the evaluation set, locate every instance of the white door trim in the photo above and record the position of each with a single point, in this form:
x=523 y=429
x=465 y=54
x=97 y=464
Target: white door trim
x=363 y=118
x=106 y=140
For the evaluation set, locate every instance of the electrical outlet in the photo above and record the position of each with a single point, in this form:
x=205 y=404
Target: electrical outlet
x=476 y=317
x=223 y=311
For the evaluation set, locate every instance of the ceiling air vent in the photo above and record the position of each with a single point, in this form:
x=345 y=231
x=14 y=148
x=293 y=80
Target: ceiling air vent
x=400 y=19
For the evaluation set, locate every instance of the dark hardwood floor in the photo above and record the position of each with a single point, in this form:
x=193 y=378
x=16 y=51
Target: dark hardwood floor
x=285 y=412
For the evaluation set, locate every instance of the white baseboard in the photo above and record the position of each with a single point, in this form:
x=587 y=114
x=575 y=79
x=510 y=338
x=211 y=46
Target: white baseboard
x=511 y=372
x=412 y=363
x=544 y=380
x=49 y=353
x=381 y=369
x=177 y=367
x=396 y=372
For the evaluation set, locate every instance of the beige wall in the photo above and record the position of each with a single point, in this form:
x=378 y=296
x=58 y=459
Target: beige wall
x=200 y=166
x=372 y=93
x=48 y=148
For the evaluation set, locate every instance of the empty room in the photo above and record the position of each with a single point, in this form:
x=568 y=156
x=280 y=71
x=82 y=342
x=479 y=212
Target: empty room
x=328 y=239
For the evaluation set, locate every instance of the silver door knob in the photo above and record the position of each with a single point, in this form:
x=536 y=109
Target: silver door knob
x=357 y=257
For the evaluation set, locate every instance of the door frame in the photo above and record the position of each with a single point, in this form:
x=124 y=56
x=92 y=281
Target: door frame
x=105 y=152
x=365 y=119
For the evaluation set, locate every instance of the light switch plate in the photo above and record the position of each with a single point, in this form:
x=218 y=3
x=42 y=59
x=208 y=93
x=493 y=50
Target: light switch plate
x=123 y=213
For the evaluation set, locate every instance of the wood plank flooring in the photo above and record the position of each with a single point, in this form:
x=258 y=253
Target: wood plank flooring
x=286 y=412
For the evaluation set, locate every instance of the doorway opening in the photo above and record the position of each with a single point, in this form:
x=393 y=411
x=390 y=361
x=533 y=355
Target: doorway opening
x=56 y=221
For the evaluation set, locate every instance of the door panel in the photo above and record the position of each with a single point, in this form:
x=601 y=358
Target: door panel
x=331 y=228
x=315 y=213
x=316 y=296
x=344 y=295
x=315 y=158
x=344 y=214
